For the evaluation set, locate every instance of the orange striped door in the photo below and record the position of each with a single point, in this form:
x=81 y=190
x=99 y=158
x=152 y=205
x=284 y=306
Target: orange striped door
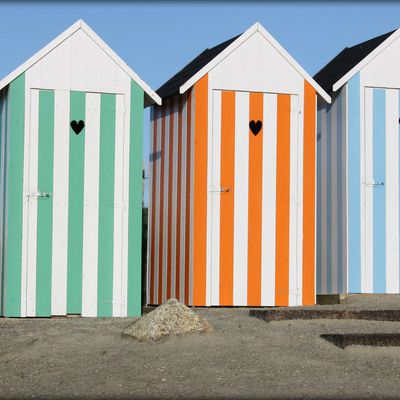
x=255 y=240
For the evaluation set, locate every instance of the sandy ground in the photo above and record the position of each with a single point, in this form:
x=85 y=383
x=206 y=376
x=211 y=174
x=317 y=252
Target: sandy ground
x=243 y=358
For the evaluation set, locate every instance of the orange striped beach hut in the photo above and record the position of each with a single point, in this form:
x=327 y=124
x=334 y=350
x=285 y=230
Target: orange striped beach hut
x=233 y=167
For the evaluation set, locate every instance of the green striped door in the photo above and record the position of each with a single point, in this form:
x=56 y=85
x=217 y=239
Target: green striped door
x=76 y=260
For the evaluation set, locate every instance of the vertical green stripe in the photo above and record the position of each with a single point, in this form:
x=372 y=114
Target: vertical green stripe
x=45 y=204
x=14 y=195
x=135 y=202
x=106 y=206
x=3 y=104
x=75 y=205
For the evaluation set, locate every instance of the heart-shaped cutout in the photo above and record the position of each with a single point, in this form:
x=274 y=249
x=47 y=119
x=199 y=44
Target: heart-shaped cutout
x=77 y=126
x=255 y=127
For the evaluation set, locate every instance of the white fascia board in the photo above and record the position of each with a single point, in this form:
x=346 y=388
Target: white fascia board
x=40 y=54
x=345 y=78
x=65 y=35
x=239 y=41
x=125 y=67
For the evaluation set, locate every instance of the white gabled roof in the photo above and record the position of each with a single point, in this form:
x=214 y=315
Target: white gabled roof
x=345 y=78
x=152 y=96
x=241 y=39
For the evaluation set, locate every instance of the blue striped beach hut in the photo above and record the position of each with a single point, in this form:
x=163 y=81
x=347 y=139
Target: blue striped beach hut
x=358 y=164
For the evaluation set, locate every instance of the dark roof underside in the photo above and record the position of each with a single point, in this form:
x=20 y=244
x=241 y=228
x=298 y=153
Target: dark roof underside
x=172 y=86
x=346 y=60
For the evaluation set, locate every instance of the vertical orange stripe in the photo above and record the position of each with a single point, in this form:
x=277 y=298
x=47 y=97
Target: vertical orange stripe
x=309 y=195
x=227 y=198
x=255 y=203
x=282 y=201
x=178 y=209
x=200 y=191
x=161 y=240
x=153 y=203
x=187 y=207
x=170 y=174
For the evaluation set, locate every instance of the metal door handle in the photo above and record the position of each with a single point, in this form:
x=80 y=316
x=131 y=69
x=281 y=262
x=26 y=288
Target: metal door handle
x=222 y=190
x=36 y=195
x=373 y=183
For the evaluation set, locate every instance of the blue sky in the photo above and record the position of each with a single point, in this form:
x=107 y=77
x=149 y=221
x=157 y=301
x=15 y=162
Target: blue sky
x=157 y=39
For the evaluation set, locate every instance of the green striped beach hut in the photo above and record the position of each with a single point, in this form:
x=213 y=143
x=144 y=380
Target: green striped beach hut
x=71 y=122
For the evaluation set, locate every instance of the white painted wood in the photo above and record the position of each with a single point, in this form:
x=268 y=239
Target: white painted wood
x=367 y=216
x=209 y=227
x=91 y=205
x=32 y=204
x=215 y=159
x=299 y=118
x=333 y=197
x=103 y=48
x=242 y=42
x=174 y=199
x=157 y=221
x=294 y=200
x=240 y=246
x=60 y=203
x=191 y=239
x=183 y=199
x=150 y=243
x=118 y=289
x=392 y=191
x=125 y=204
x=372 y=60
x=165 y=161
x=324 y=188
x=269 y=200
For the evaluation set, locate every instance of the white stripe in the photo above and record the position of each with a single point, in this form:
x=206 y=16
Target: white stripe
x=118 y=205
x=91 y=203
x=215 y=196
x=2 y=191
x=125 y=204
x=32 y=204
x=392 y=191
x=60 y=203
x=191 y=235
x=334 y=205
x=293 y=200
x=174 y=199
x=241 y=199
x=150 y=244
x=157 y=214
x=269 y=201
x=323 y=189
x=166 y=201
x=298 y=117
x=183 y=201
x=367 y=265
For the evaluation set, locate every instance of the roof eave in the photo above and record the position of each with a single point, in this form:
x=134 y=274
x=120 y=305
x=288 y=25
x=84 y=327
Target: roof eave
x=80 y=24
x=345 y=78
x=241 y=39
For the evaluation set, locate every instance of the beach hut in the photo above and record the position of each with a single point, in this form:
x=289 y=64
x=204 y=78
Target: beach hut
x=71 y=181
x=358 y=170
x=232 y=201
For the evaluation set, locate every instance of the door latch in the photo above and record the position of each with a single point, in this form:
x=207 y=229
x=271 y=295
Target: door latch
x=373 y=183
x=222 y=190
x=37 y=195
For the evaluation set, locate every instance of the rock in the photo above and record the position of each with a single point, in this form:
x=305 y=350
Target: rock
x=170 y=318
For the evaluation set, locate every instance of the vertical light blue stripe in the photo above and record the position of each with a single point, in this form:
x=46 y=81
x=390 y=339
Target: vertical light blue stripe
x=354 y=185
x=379 y=193
x=319 y=205
x=329 y=200
x=398 y=119
x=339 y=205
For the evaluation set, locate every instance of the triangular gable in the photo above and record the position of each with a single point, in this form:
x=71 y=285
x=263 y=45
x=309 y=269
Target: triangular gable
x=152 y=97
x=387 y=42
x=238 y=42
